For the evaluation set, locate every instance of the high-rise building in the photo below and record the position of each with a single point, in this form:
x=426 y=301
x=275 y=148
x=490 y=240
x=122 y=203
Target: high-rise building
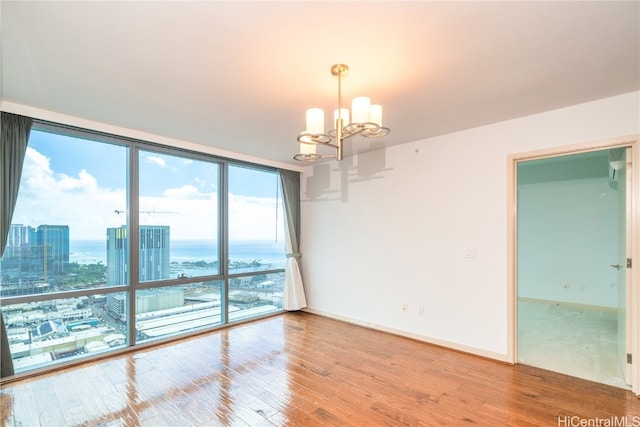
x=17 y=251
x=20 y=235
x=53 y=245
x=117 y=256
x=33 y=258
x=117 y=305
x=154 y=254
x=20 y=265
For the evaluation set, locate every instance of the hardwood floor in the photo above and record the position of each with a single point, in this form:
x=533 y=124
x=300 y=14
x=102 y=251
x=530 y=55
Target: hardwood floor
x=299 y=369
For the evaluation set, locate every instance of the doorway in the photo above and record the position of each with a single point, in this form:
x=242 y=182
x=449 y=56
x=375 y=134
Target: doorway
x=572 y=297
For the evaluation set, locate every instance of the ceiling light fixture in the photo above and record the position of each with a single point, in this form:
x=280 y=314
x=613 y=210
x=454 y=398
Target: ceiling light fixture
x=366 y=121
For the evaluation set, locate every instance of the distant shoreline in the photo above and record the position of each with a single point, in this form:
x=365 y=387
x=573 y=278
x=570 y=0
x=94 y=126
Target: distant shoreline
x=185 y=251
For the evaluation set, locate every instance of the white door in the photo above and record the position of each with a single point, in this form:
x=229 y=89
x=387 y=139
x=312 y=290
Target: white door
x=621 y=173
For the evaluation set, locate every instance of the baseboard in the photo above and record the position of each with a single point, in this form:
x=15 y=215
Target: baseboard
x=418 y=337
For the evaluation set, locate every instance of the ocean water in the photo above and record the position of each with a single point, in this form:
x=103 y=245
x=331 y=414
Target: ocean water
x=268 y=252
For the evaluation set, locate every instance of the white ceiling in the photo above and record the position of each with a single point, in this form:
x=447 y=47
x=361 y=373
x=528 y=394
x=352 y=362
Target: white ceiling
x=239 y=75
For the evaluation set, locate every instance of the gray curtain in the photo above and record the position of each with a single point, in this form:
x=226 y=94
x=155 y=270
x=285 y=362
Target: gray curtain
x=15 y=131
x=294 y=297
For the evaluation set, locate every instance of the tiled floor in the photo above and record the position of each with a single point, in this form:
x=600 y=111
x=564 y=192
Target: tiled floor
x=575 y=341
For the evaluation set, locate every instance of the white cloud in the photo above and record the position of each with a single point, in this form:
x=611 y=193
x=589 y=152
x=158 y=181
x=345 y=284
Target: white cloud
x=88 y=206
x=36 y=172
x=157 y=161
x=84 y=182
x=254 y=218
x=77 y=201
x=184 y=192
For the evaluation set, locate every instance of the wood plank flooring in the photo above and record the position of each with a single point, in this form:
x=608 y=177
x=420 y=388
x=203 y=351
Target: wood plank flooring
x=300 y=369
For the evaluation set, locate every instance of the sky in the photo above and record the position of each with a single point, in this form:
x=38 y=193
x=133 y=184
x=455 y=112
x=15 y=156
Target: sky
x=82 y=183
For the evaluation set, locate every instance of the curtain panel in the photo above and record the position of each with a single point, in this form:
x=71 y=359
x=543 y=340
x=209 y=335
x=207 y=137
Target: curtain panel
x=294 y=297
x=14 y=137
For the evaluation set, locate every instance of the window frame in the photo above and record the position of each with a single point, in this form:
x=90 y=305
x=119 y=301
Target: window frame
x=134 y=147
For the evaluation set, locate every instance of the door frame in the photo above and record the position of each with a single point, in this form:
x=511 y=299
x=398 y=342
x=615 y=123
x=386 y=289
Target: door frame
x=633 y=276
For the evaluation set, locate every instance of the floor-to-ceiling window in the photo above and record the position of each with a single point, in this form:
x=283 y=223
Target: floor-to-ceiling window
x=116 y=242
x=180 y=283
x=256 y=242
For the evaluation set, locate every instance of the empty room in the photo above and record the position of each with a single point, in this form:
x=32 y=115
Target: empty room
x=319 y=213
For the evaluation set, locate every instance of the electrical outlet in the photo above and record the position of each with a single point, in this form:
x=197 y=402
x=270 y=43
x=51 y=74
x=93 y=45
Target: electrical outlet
x=421 y=310
x=405 y=308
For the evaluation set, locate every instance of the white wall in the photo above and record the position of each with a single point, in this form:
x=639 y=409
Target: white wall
x=567 y=238
x=395 y=226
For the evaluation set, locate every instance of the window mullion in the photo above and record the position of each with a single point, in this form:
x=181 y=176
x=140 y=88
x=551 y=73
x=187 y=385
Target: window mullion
x=223 y=214
x=133 y=219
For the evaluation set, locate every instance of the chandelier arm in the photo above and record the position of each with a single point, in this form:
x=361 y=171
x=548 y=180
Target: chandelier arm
x=376 y=133
x=311 y=157
x=329 y=145
x=314 y=139
x=349 y=133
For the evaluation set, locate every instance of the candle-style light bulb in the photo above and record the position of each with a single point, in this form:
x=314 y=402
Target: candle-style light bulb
x=307 y=148
x=315 y=121
x=376 y=114
x=360 y=107
x=344 y=115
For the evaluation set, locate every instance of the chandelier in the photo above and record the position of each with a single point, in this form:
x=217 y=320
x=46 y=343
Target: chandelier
x=366 y=120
